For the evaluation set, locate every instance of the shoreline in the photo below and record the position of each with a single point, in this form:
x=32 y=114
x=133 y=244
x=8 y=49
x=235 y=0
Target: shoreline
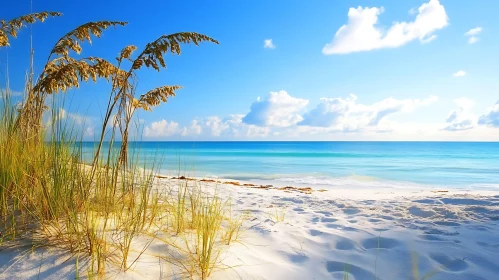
x=351 y=192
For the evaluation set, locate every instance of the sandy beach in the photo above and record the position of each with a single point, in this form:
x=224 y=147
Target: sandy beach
x=259 y=140
x=312 y=234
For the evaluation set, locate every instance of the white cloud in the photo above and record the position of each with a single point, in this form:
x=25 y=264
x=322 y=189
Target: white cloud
x=161 y=128
x=210 y=127
x=343 y=119
x=215 y=125
x=461 y=119
x=74 y=118
x=473 y=40
x=460 y=73
x=62 y=114
x=429 y=39
x=346 y=115
x=3 y=92
x=362 y=34
x=89 y=131
x=267 y=44
x=491 y=118
x=194 y=129
x=239 y=129
x=474 y=31
x=279 y=109
x=472 y=34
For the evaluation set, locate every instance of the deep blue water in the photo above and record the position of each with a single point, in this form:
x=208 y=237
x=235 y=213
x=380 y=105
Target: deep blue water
x=451 y=164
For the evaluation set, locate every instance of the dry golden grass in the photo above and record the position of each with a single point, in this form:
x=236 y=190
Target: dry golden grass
x=12 y=26
x=47 y=196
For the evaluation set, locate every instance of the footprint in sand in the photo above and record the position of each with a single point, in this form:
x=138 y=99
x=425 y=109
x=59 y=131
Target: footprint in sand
x=431 y=237
x=340 y=227
x=344 y=244
x=448 y=263
x=339 y=269
x=292 y=199
x=351 y=211
x=489 y=247
x=447 y=223
x=325 y=213
x=380 y=242
x=298 y=209
x=380 y=229
x=315 y=232
x=440 y=232
x=296 y=258
x=427 y=201
x=465 y=201
x=419 y=212
x=328 y=220
x=388 y=218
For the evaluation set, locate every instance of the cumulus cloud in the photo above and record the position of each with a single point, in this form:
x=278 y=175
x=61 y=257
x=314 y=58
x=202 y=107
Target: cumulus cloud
x=460 y=73
x=12 y=93
x=472 y=34
x=72 y=117
x=279 y=109
x=329 y=112
x=267 y=44
x=361 y=33
x=161 y=128
x=216 y=125
x=82 y=123
x=461 y=119
x=346 y=115
x=89 y=131
x=491 y=118
x=209 y=127
x=194 y=129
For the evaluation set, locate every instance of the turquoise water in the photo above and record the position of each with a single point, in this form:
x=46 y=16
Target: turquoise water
x=450 y=164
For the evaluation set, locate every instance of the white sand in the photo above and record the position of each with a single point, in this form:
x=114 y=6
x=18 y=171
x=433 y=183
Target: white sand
x=382 y=232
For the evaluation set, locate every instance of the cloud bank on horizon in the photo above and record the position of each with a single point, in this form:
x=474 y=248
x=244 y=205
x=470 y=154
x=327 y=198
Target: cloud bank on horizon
x=280 y=114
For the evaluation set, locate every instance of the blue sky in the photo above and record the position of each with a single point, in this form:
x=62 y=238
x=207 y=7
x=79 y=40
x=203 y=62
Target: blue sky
x=333 y=70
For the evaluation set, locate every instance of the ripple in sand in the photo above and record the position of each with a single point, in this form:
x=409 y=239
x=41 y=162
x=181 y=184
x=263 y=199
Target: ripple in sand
x=380 y=242
x=338 y=270
x=340 y=227
x=351 y=211
x=297 y=258
x=450 y=264
x=419 y=212
x=345 y=244
x=447 y=223
x=315 y=232
x=465 y=201
x=489 y=247
x=328 y=220
x=431 y=237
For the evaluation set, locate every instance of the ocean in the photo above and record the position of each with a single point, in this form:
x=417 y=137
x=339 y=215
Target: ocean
x=473 y=165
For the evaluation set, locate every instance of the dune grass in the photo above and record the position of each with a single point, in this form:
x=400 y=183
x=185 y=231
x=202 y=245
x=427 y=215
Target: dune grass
x=51 y=197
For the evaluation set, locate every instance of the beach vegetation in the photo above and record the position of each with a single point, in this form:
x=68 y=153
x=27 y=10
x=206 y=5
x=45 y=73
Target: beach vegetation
x=96 y=211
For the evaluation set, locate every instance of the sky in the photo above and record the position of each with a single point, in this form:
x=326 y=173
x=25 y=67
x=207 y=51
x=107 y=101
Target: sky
x=290 y=70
